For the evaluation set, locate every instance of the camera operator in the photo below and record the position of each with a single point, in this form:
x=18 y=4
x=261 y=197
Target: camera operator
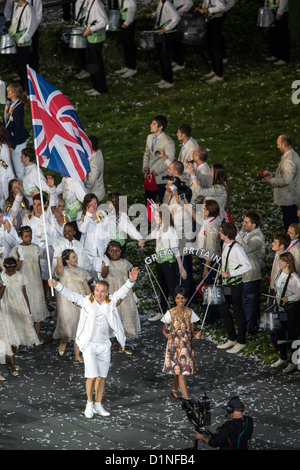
x=235 y=433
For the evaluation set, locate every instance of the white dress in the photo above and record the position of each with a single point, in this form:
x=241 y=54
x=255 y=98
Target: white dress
x=5 y=343
x=31 y=270
x=127 y=309
x=67 y=312
x=16 y=313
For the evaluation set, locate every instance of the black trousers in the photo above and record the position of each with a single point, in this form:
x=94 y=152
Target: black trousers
x=22 y=60
x=159 y=192
x=215 y=44
x=179 y=51
x=166 y=276
x=163 y=45
x=289 y=215
x=234 y=300
x=34 y=52
x=289 y=330
x=95 y=66
x=127 y=37
x=279 y=38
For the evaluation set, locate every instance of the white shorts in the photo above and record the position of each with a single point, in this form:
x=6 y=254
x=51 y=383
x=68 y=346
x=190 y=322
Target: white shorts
x=96 y=359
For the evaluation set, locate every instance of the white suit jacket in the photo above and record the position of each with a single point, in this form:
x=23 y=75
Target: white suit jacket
x=88 y=313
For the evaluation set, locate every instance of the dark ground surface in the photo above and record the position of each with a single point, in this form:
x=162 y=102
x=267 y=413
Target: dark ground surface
x=42 y=408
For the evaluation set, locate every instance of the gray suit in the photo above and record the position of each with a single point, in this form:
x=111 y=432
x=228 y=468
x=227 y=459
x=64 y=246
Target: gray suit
x=158 y=164
x=286 y=181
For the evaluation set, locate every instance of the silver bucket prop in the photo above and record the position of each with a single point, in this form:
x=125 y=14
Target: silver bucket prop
x=213 y=295
x=191 y=29
x=265 y=18
x=146 y=41
x=77 y=41
x=7 y=44
x=114 y=20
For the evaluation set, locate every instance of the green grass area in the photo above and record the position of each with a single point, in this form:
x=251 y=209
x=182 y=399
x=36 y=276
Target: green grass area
x=239 y=120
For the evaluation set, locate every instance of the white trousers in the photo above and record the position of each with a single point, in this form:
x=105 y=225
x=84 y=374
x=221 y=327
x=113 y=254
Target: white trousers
x=96 y=358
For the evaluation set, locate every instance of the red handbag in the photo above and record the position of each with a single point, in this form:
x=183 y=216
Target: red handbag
x=150 y=182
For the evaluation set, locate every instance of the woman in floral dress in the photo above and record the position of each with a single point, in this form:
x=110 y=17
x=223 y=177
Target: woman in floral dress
x=179 y=330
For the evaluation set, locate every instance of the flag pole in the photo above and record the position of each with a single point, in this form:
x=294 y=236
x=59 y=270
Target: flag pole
x=43 y=210
x=44 y=222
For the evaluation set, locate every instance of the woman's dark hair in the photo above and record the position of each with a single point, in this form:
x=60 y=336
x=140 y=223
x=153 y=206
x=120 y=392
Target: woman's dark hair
x=220 y=178
x=66 y=255
x=212 y=207
x=184 y=189
x=11 y=196
x=87 y=199
x=181 y=290
x=4 y=137
x=290 y=260
x=114 y=198
x=165 y=216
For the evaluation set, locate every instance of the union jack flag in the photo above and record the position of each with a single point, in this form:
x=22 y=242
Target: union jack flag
x=61 y=145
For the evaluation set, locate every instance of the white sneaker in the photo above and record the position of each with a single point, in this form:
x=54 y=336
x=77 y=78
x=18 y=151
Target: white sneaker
x=83 y=74
x=129 y=73
x=280 y=62
x=156 y=317
x=92 y=92
x=209 y=75
x=122 y=70
x=166 y=85
x=177 y=68
x=237 y=348
x=270 y=59
x=79 y=73
x=89 y=410
x=215 y=79
x=226 y=345
x=162 y=81
x=279 y=363
x=98 y=408
x=289 y=368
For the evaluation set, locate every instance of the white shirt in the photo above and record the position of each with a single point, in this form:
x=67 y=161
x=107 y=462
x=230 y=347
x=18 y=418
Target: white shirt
x=293 y=288
x=167 y=318
x=101 y=328
x=30 y=182
x=130 y=7
x=214 y=6
x=165 y=241
x=169 y=13
x=28 y=22
x=238 y=262
x=94 y=233
x=183 y=6
x=37 y=8
x=94 y=14
x=123 y=227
